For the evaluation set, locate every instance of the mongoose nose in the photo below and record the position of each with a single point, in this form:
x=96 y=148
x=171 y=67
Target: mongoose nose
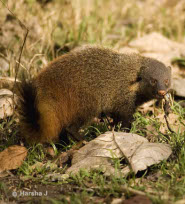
x=161 y=92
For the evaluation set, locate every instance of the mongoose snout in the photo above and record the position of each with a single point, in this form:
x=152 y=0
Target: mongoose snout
x=161 y=92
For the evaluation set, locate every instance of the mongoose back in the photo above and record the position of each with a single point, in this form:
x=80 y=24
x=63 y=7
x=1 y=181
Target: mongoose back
x=84 y=83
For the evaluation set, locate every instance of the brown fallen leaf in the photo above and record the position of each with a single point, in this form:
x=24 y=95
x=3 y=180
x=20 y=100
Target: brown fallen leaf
x=36 y=165
x=50 y=151
x=146 y=107
x=64 y=157
x=158 y=46
x=151 y=132
x=178 y=86
x=39 y=165
x=174 y=122
x=12 y=157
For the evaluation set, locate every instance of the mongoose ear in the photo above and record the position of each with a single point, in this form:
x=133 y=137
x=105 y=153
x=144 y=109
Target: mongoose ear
x=169 y=68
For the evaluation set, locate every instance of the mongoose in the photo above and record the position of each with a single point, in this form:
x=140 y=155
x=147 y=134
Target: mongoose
x=84 y=83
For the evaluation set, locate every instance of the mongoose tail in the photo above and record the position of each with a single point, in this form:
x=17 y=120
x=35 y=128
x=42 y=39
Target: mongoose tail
x=35 y=127
x=28 y=112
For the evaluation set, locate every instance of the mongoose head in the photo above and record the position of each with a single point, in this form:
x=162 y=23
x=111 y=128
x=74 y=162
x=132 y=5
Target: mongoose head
x=156 y=78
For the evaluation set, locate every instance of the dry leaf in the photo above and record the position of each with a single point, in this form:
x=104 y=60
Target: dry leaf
x=139 y=152
x=50 y=151
x=7 y=82
x=151 y=132
x=148 y=154
x=64 y=157
x=5 y=92
x=12 y=157
x=173 y=121
x=37 y=165
x=146 y=107
x=6 y=103
x=157 y=43
x=93 y=163
x=99 y=153
x=178 y=86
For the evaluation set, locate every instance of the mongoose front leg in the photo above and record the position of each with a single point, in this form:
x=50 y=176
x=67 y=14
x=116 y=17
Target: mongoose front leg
x=124 y=114
x=125 y=119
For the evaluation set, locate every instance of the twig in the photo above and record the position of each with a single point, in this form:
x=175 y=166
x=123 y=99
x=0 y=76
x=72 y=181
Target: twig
x=167 y=123
x=19 y=59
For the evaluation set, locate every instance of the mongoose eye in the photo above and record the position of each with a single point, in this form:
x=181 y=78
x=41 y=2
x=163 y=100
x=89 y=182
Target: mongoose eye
x=166 y=81
x=153 y=81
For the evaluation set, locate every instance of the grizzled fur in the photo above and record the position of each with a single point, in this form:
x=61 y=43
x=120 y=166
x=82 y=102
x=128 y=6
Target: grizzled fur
x=80 y=85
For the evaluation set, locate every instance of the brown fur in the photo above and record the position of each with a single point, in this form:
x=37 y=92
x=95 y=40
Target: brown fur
x=80 y=85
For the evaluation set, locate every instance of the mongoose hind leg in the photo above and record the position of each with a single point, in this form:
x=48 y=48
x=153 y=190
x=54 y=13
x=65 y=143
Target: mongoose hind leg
x=50 y=125
x=125 y=120
x=84 y=117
